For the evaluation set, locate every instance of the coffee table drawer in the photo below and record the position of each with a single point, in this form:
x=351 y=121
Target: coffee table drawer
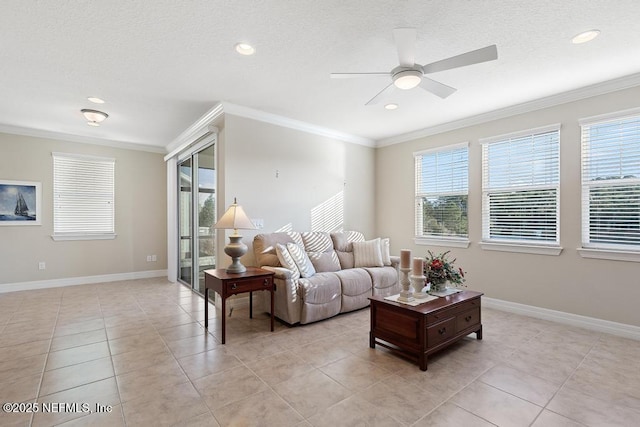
x=468 y=318
x=248 y=285
x=441 y=332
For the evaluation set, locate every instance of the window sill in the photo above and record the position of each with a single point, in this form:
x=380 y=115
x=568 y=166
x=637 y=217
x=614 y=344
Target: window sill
x=64 y=237
x=525 y=249
x=430 y=241
x=610 y=254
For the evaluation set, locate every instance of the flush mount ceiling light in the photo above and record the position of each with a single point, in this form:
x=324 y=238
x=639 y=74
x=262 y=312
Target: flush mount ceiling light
x=586 y=36
x=245 y=49
x=96 y=100
x=391 y=106
x=94 y=117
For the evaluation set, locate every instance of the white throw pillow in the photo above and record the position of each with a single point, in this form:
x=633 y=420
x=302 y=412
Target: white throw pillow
x=386 y=252
x=367 y=254
x=286 y=260
x=301 y=259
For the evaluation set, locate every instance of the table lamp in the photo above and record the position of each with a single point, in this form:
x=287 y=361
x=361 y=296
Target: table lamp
x=235 y=218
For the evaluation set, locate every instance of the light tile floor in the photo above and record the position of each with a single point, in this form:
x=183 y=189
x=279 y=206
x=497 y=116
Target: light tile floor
x=140 y=347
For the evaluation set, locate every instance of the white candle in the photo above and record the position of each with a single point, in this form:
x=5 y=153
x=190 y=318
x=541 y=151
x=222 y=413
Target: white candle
x=405 y=258
x=418 y=265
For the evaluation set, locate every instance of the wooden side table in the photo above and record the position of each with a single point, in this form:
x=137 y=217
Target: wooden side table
x=227 y=284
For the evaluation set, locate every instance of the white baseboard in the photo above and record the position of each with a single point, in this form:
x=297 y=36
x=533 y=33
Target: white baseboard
x=73 y=281
x=591 y=323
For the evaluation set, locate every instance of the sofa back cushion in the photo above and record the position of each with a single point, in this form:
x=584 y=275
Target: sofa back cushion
x=319 y=248
x=342 y=242
x=264 y=246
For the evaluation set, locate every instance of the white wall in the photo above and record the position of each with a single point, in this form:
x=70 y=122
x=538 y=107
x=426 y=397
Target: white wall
x=140 y=209
x=295 y=180
x=602 y=289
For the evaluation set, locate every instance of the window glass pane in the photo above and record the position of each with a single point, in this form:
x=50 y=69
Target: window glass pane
x=521 y=188
x=442 y=181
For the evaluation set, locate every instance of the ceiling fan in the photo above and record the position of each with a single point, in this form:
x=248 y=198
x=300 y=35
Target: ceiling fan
x=408 y=74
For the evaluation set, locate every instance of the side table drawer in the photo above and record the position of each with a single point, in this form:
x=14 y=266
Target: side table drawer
x=248 y=285
x=468 y=318
x=441 y=332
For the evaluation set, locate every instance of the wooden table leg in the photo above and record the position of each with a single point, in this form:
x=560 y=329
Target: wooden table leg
x=250 y=305
x=272 y=309
x=224 y=317
x=206 y=308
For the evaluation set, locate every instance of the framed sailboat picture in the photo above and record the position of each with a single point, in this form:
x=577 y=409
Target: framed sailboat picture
x=20 y=202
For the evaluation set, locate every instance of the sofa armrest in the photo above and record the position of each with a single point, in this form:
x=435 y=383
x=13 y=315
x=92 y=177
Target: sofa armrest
x=280 y=272
x=395 y=261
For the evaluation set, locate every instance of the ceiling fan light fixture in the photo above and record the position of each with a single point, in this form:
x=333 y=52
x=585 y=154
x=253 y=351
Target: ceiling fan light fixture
x=407 y=79
x=585 y=36
x=94 y=117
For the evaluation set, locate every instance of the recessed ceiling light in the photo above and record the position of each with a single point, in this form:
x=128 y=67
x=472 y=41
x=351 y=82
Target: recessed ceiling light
x=586 y=36
x=391 y=106
x=96 y=100
x=245 y=49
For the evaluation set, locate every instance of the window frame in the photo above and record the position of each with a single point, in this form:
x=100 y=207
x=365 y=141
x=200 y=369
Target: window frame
x=601 y=250
x=109 y=164
x=519 y=245
x=434 y=239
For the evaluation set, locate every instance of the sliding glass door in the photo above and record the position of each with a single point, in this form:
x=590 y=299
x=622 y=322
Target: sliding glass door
x=196 y=216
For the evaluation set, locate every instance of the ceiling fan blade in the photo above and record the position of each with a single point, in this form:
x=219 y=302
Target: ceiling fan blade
x=406 y=44
x=485 y=54
x=437 y=88
x=381 y=95
x=350 y=75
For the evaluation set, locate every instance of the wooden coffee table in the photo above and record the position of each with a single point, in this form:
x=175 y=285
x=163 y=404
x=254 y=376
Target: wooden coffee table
x=416 y=332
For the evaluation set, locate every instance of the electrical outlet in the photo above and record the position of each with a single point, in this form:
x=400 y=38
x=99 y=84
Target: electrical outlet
x=148 y=258
x=42 y=265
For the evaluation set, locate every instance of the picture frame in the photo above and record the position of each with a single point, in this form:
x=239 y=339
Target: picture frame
x=20 y=202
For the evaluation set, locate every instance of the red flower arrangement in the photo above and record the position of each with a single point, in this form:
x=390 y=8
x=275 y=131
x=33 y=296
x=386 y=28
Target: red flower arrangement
x=438 y=270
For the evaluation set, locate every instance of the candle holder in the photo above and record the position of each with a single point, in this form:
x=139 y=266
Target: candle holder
x=405 y=294
x=418 y=284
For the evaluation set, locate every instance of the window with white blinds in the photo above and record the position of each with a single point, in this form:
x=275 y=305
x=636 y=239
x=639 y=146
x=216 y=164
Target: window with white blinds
x=442 y=182
x=611 y=183
x=520 y=186
x=83 y=197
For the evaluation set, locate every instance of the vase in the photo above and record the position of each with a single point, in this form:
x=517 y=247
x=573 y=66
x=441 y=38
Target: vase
x=439 y=287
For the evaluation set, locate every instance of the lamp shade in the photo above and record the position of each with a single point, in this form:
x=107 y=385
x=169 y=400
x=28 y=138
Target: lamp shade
x=235 y=218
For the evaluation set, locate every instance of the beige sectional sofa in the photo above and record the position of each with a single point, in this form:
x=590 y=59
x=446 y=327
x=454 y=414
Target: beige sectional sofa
x=319 y=275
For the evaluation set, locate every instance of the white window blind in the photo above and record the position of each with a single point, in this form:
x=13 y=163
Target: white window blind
x=83 y=192
x=520 y=183
x=442 y=182
x=611 y=183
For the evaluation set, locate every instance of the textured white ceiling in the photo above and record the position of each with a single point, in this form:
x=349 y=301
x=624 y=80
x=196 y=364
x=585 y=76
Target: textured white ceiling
x=161 y=64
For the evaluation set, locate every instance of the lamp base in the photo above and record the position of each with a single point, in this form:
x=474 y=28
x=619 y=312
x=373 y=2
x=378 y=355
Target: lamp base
x=235 y=249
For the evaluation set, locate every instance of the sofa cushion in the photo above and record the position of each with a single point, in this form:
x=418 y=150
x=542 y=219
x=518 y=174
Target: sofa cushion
x=384 y=280
x=319 y=248
x=320 y=297
x=367 y=254
x=343 y=244
x=301 y=259
x=286 y=260
x=356 y=288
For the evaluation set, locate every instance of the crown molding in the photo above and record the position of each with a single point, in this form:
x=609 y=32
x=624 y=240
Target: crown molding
x=200 y=128
x=250 y=113
x=41 y=133
x=538 y=104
